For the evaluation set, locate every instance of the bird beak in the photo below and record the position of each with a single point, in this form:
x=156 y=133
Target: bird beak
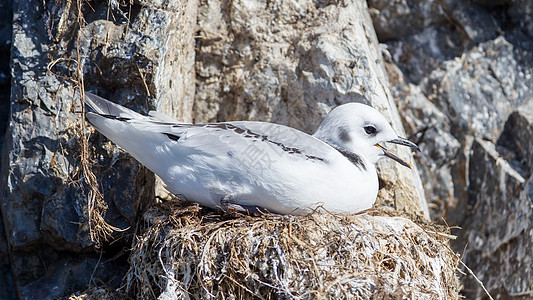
x=405 y=142
x=399 y=141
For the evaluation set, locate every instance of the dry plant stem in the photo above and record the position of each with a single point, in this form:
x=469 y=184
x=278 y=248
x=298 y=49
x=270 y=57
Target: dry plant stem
x=453 y=237
x=477 y=279
x=198 y=255
x=96 y=206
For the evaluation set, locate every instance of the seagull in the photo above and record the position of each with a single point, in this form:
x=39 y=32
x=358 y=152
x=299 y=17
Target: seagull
x=258 y=166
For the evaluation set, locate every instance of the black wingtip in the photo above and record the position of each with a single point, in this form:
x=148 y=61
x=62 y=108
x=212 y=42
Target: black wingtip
x=108 y=109
x=96 y=103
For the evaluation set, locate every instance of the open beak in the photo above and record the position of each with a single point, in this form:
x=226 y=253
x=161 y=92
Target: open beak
x=399 y=141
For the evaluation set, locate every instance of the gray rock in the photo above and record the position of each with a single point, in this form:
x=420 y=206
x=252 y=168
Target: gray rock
x=491 y=3
x=45 y=196
x=430 y=129
x=497 y=229
x=515 y=143
x=436 y=31
x=70 y=273
x=418 y=55
x=474 y=23
x=28 y=177
x=475 y=89
x=520 y=14
x=459 y=80
x=492 y=193
x=496 y=216
x=6 y=15
x=7 y=283
x=397 y=19
x=480 y=89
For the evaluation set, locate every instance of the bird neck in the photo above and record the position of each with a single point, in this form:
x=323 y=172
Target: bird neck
x=354 y=158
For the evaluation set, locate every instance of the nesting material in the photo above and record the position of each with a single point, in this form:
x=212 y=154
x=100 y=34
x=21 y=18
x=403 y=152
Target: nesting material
x=188 y=255
x=95 y=293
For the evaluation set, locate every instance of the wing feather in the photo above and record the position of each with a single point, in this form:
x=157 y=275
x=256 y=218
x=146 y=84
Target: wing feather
x=228 y=138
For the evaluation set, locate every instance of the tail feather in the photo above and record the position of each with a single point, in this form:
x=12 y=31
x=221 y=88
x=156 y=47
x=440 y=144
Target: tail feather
x=107 y=108
x=121 y=124
x=132 y=131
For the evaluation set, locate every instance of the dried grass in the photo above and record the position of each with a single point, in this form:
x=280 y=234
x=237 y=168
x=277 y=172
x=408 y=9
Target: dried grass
x=95 y=206
x=188 y=254
x=96 y=294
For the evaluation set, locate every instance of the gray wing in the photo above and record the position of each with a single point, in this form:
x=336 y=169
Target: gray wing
x=267 y=138
x=215 y=139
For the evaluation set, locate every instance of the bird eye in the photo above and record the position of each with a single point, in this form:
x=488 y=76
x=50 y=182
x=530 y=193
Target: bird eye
x=370 y=129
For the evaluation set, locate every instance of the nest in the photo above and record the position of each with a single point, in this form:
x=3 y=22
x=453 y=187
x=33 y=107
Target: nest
x=96 y=293
x=186 y=254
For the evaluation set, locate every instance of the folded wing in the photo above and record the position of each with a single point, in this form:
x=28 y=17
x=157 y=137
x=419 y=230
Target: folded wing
x=140 y=135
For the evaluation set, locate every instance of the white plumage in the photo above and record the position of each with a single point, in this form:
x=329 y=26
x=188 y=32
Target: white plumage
x=258 y=165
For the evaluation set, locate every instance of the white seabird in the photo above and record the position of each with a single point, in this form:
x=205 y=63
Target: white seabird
x=250 y=166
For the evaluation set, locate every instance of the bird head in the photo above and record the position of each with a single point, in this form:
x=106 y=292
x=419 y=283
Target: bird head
x=361 y=129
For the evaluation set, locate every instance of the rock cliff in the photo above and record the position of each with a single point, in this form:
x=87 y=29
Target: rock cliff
x=457 y=75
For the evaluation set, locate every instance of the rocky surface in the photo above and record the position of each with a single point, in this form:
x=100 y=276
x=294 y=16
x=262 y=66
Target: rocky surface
x=131 y=57
x=463 y=76
x=498 y=193
x=6 y=14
